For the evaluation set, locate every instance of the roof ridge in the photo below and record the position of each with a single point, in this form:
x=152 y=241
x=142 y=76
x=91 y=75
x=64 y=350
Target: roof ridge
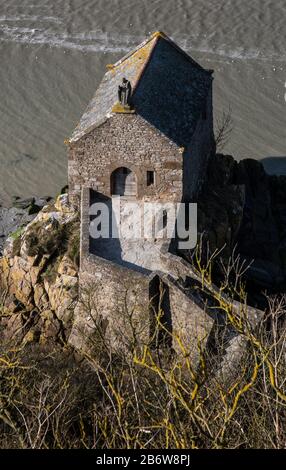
x=135 y=64
x=137 y=48
x=161 y=35
x=179 y=49
x=157 y=35
x=146 y=64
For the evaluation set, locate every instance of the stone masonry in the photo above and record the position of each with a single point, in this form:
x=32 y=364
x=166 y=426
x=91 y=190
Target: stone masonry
x=156 y=149
x=126 y=141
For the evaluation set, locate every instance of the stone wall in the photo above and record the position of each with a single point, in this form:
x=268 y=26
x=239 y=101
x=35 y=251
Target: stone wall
x=113 y=300
x=188 y=321
x=126 y=141
x=196 y=156
x=117 y=301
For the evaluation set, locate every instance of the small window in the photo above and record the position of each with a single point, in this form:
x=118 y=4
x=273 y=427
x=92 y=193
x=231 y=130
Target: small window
x=165 y=218
x=150 y=178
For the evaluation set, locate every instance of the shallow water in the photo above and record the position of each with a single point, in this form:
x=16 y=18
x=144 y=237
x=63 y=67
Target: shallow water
x=53 y=55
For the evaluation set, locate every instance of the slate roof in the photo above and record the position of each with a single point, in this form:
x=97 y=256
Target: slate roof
x=169 y=90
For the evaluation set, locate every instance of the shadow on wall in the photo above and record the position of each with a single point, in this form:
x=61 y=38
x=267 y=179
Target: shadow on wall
x=274 y=165
x=108 y=247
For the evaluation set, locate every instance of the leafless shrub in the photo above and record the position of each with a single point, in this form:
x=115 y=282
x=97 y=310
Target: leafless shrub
x=224 y=128
x=145 y=396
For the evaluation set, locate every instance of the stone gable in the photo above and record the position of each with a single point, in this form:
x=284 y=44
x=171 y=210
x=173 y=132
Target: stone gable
x=126 y=141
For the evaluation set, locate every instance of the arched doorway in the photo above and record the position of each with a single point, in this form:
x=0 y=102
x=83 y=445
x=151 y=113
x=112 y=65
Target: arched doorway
x=123 y=182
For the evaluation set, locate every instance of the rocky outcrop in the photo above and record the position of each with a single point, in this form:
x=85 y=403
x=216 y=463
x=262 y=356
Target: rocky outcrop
x=262 y=235
x=221 y=205
x=244 y=208
x=239 y=205
x=39 y=276
x=20 y=214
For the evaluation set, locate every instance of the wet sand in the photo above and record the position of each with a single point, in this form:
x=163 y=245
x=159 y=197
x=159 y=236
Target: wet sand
x=53 y=55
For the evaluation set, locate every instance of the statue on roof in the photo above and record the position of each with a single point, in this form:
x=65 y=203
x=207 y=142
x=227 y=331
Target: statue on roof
x=124 y=92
